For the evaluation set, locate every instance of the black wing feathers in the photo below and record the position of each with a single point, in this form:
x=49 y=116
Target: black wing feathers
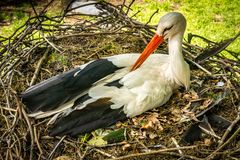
x=60 y=89
x=49 y=93
x=95 y=115
x=80 y=100
x=115 y=83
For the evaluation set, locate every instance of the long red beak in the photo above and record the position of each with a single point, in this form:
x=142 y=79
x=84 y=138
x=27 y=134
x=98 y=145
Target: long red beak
x=152 y=45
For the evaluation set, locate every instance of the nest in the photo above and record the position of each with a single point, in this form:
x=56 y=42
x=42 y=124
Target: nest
x=44 y=46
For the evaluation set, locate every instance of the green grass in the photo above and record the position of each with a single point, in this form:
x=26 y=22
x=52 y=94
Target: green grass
x=55 y=57
x=213 y=19
x=17 y=19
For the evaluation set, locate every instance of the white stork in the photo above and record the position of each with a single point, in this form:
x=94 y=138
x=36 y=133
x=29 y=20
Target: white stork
x=105 y=91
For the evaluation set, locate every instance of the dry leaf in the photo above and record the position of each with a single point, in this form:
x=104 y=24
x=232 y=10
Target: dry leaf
x=160 y=127
x=176 y=112
x=192 y=95
x=143 y=136
x=126 y=147
x=152 y=121
x=190 y=115
x=147 y=125
x=207 y=141
x=134 y=120
x=175 y=119
x=137 y=120
x=163 y=119
x=205 y=104
x=153 y=118
x=133 y=133
x=97 y=141
x=152 y=135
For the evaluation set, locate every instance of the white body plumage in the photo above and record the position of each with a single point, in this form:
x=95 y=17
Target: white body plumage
x=101 y=92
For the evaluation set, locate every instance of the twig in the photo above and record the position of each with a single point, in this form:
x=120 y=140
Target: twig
x=123 y=4
x=181 y=156
x=44 y=9
x=155 y=152
x=215 y=49
x=90 y=34
x=18 y=151
x=85 y=152
x=177 y=145
x=190 y=35
x=216 y=102
x=104 y=153
x=55 y=148
x=226 y=65
x=9 y=109
x=143 y=145
x=135 y=14
x=229 y=129
x=34 y=10
x=19 y=59
x=212 y=156
x=188 y=53
x=30 y=129
x=150 y=19
x=199 y=66
x=209 y=41
x=39 y=65
x=37 y=142
x=50 y=43
x=129 y=7
x=6 y=93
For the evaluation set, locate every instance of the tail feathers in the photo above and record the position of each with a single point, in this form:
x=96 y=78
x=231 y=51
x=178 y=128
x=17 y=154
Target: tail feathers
x=101 y=123
x=50 y=93
x=45 y=101
x=95 y=115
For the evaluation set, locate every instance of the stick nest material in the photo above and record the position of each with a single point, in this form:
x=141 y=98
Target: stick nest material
x=45 y=46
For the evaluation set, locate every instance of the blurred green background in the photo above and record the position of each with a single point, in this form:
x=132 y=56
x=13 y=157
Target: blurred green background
x=215 y=20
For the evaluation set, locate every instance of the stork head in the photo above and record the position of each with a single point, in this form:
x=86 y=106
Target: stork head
x=169 y=25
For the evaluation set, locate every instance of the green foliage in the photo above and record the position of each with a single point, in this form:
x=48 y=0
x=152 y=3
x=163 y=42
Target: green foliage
x=21 y=13
x=213 y=19
x=56 y=57
x=16 y=19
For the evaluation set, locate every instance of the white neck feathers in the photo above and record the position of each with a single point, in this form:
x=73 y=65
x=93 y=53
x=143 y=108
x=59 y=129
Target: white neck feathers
x=180 y=69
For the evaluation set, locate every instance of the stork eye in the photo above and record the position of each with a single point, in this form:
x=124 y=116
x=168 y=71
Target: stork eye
x=166 y=29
